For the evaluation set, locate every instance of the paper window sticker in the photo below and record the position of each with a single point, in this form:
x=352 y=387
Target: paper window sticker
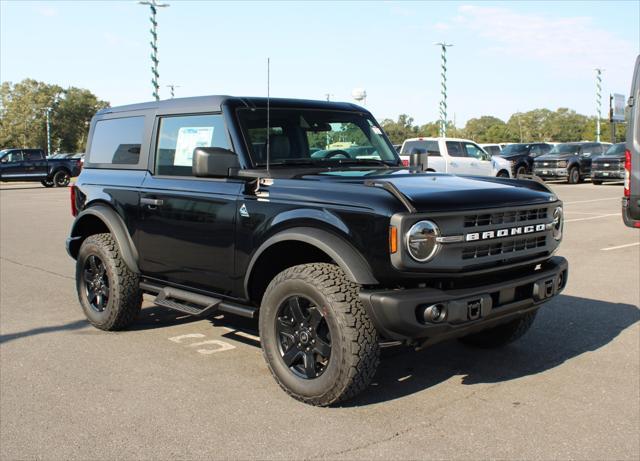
x=188 y=139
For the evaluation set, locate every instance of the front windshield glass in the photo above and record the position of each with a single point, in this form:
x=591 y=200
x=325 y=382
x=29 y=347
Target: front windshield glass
x=514 y=149
x=565 y=149
x=315 y=137
x=616 y=149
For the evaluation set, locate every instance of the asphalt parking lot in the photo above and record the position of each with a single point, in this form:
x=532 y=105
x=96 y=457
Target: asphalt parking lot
x=172 y=387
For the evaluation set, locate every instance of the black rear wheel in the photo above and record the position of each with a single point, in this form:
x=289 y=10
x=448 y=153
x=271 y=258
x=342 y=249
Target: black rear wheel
x=108 y=291
x=47 y=182
x=596 y=182
x=62 y=178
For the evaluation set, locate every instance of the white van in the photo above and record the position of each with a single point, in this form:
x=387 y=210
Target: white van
x=457 y=156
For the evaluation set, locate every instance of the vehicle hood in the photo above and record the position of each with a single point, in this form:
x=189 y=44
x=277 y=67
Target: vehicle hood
x=443 y=192
x=547 y=157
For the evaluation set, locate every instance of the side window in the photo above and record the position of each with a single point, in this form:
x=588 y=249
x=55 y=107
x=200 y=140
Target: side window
x=117 y=141
x=474 y=151
x=13 y=157
x=537 y=149
x=33 y=155
x=455 y=149
x=179 y=136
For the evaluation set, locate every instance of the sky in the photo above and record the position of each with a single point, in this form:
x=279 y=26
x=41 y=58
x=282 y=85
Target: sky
x=507 y=56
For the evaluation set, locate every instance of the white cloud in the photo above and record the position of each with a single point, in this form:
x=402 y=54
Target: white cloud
x=46 y=11
x=565 y=43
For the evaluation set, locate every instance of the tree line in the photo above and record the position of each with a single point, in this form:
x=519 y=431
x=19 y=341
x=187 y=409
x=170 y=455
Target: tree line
x=563 y=125
x=23 y=109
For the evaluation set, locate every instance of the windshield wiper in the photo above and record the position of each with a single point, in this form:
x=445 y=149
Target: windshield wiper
x=363 y=161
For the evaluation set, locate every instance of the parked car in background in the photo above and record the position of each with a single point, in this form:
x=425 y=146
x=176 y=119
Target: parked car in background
x=32 y=165
x=631 y=198
x=397 y=147
x=492 y=149
x=521 y=155
x=609 y=166
x=455 y=156
x=569 y=161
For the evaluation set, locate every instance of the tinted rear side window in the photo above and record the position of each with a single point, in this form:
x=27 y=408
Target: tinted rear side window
x=455 y=149
x=430 y=146
x=117 y=141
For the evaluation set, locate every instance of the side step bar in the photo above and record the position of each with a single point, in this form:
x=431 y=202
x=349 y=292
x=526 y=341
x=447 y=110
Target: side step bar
x=195 y=304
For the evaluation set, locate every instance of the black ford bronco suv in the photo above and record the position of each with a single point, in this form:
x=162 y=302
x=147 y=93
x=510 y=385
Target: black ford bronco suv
x=301 y=213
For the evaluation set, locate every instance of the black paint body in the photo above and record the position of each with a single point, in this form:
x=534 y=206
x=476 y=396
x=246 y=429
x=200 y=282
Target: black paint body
x=222 y=236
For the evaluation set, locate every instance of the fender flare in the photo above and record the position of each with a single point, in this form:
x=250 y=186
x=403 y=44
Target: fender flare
x=342 y=252
x=117 y=228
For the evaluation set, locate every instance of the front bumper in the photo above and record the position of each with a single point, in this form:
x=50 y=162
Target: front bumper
x=550 y=172
x=608 y=175
x=397 y=313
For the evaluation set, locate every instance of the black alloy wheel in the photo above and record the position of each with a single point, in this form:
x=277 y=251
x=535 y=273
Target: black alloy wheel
x=62 y=178
x=574 y=175
x=304 y=339
x=96 y=283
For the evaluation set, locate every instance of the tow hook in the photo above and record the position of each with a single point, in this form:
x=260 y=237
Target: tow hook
x=544 y=289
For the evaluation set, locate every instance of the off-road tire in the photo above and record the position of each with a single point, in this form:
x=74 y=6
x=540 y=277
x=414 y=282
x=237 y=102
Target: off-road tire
x=521 y=171
x=354 y=339
x=62 y=178
x=502 y=174
x=574 y=175
x=596 y=182
x=502 y=334
x=125 y=297
x=47 y=182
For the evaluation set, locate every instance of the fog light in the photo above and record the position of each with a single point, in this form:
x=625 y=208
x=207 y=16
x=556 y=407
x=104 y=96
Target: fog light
x=434 y=313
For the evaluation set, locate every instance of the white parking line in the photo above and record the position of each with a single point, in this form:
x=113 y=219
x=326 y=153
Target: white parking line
x=594 y=200
x=621 y=246
x=592 y=217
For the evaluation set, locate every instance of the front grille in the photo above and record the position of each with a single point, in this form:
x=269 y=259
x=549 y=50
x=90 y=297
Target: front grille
x=549 y=164
x=614 y=165
x=505 y=217
x=499 y=248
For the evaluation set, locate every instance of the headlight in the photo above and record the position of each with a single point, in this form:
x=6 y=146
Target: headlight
x=421 y=241
x=562 y=164
x=557 y=223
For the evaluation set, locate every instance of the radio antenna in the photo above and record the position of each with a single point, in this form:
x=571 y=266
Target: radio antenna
x=268 y=110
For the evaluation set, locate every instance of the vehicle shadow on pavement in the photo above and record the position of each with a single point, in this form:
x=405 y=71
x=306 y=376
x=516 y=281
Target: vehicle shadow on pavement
x=77 y=325
x=22 y=188
x=565 y=328
x=152 y=317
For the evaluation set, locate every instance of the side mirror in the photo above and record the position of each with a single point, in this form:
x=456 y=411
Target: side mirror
x=213 y=161
x=4 y=160
x=419 y=159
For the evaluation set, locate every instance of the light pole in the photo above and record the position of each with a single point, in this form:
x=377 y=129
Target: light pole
x=47 y=111
x=172 y=89
x=154 y=5
x=598 y=101
x=443 y=87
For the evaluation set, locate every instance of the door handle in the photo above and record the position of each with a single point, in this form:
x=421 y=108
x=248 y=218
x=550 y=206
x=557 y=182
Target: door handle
x=453 y=164
x=151 y=202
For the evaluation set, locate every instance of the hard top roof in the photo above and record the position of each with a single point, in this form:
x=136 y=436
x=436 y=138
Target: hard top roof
x=215 y=102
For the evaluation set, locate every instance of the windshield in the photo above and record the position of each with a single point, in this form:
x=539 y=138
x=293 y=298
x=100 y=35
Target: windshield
x=565 y=149
x=317 y=137
x=514 y=149
x=616 y=150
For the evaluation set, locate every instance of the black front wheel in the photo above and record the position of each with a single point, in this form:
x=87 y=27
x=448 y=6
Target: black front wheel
x=596 y=182
x=47 y=182
x=319 y=343
x=62 y=178
x=574 y=175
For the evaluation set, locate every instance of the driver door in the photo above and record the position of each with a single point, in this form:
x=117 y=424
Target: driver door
x=11 y=168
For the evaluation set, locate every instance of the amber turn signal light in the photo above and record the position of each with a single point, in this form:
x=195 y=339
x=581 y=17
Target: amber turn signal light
x=393 y=239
